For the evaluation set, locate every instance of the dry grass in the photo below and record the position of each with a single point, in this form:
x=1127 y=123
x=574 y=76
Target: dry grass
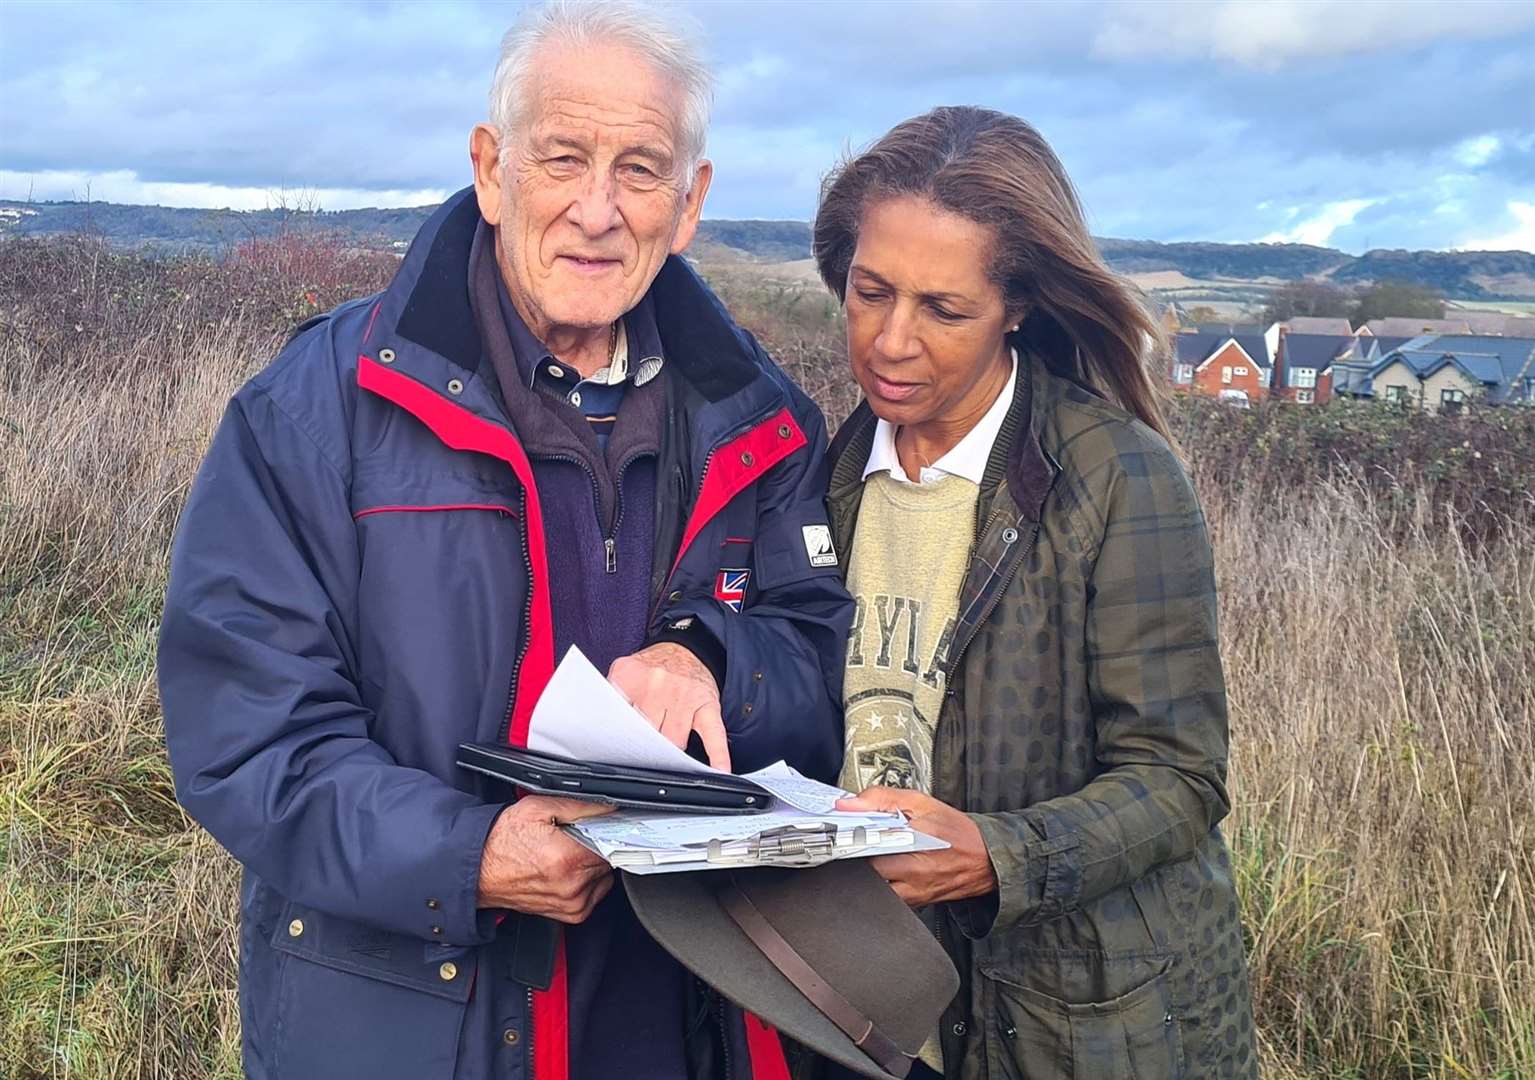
x=1382 y=679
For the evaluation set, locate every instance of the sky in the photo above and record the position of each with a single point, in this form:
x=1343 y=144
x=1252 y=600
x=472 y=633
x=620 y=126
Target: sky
x=1346 y=123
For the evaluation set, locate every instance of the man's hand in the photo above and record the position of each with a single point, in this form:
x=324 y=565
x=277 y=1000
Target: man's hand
x=675 y=691
x=530 y=865
x=957 y=872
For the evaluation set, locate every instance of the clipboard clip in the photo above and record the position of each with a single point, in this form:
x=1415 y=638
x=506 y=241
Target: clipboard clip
x=790 y=846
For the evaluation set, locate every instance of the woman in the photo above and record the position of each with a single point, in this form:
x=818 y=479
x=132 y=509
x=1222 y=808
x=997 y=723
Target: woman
x=1033 y=673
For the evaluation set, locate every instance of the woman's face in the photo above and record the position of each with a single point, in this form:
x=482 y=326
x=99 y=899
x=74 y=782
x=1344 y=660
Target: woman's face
x=925 y=324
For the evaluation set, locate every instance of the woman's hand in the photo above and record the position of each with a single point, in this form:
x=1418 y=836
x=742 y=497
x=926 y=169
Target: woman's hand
x=957 y=872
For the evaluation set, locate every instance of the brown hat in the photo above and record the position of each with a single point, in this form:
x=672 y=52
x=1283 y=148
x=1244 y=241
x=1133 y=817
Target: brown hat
x=829 y=956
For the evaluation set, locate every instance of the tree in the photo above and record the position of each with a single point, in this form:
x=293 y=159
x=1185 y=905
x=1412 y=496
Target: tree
x=1306 y=298
x=1202 y=314
x=1387 y=298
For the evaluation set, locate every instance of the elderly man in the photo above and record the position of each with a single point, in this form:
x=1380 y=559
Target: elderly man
x=545 y=432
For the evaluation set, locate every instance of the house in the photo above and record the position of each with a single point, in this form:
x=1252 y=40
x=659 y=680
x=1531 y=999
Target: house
x=1222 y=362
x=1303 y=366
x=1498 y=323
x=1407 y=326
x=1351 y=371
x=1444 y=371
x=1317 y=324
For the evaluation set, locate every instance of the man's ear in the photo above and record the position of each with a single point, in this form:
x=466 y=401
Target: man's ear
x=485 y=154
x=693 y=206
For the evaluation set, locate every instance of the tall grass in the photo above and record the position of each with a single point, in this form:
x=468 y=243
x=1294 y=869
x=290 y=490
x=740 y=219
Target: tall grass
x=1380 y=657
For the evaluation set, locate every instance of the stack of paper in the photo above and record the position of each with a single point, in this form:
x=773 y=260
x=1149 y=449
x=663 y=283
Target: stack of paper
x=582 y=716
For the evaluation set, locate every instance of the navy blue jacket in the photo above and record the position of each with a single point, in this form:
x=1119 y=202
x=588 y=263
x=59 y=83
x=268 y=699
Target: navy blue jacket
x=359 y=584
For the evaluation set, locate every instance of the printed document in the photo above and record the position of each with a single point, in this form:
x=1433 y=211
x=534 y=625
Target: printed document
x=581 y=715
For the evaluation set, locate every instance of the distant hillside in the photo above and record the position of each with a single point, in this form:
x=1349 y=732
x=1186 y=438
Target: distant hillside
x=1460 y=275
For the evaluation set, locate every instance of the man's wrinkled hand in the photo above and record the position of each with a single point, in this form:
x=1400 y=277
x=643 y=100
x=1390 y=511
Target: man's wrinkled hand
x=957 y=872
x=530 y=865
x=677 y=694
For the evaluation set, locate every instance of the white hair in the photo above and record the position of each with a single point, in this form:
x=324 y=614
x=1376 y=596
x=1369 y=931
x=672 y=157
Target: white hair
x=663 y=40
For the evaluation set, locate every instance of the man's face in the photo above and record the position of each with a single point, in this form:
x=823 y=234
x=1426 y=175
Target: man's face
x=592 y=198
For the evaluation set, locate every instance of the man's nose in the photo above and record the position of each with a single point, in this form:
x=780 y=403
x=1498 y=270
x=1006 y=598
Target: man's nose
x=898 y=338
x=595 y=210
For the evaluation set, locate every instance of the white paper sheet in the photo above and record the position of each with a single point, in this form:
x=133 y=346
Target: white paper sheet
x=580 y=715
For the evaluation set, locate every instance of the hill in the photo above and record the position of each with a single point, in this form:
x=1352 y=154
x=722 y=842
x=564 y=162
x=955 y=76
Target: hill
x=1240 y=269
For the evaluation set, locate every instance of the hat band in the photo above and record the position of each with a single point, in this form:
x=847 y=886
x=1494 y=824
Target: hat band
x=792 y=966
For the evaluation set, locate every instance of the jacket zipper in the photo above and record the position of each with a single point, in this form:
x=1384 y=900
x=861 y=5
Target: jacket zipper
x=527 y=612
x=719 y=1011
x=609 y=542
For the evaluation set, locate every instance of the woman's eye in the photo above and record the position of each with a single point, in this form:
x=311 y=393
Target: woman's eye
x=947 y=315
x=868 y=297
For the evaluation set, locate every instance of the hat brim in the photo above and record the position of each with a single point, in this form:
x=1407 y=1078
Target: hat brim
x=683 y=915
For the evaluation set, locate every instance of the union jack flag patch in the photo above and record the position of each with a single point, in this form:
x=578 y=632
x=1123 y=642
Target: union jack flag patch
x=730 y=588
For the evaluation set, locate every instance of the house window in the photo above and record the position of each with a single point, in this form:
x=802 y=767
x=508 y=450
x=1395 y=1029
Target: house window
x=1529 y=388
x=1225 y=374
x=1397 y=395
x=1303 y=376
x=1451 y=400
x=1305 y=397
x=1241 y=371
x=1183 y=373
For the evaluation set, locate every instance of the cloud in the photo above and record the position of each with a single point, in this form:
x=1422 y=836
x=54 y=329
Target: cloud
x=1520 y=238
x=1272 y=34
x=1177 y=121
x=1475 y=152
x=1319 y=228
x=125 y=186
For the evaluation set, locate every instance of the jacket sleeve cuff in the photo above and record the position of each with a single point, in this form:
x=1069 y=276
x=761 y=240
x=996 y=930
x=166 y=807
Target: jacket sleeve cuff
x=692 y=635
x=458 y=913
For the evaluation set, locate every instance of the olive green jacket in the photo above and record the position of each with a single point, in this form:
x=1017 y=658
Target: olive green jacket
x=1085 y=732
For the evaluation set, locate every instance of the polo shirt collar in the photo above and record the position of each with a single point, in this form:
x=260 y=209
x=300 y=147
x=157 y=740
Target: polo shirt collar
x=967 y=458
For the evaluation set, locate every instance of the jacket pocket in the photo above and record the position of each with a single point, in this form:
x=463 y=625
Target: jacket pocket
x=354 y=1001
x=1036 y=1035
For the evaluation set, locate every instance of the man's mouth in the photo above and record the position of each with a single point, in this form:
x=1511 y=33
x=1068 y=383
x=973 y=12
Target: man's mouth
x=589 y=264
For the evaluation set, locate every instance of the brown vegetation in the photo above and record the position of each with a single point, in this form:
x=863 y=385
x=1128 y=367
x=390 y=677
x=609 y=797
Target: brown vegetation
x=1377 y=640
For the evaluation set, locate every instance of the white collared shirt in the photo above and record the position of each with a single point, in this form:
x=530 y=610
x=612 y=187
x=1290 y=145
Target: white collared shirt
x=967 y=458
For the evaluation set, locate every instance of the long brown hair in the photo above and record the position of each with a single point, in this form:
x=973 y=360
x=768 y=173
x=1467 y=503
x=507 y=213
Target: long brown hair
x=1082 y=319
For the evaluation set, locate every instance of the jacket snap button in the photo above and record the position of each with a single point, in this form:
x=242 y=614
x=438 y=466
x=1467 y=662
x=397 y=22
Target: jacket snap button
x=437 y=931
x=674 y=597
x=783 y=431
x=959 y=1028
x=1009 y=536
x=448 y=972
x=756 y=676
x=296 y=927
x=746 y=709
x=386 y=356
x=747 y=459
x=434 y=904
x=1010 y=1032
x=455 y=386
x=510 y=1036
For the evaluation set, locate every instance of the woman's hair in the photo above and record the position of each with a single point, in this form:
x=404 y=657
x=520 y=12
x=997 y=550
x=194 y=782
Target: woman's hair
x=1083 y=320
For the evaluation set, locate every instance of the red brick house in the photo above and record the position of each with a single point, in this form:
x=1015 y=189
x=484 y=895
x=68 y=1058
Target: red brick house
x=1232 y=367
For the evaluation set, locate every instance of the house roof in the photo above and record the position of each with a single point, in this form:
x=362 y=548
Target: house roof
x=1313 y=350
x=1317 y=324
x=1404 y=326
x=1495 y=362
x=1198 y=346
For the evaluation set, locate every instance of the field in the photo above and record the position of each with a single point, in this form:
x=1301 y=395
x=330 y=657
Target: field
x=1377 y=631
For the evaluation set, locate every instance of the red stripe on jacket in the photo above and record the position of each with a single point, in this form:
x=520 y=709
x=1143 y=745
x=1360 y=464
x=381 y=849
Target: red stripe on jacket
x=736 y=466
x=460 y=429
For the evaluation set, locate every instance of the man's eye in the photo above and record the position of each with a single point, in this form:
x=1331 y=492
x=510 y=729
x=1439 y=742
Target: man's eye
x=639 y=171
x=564 y=160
